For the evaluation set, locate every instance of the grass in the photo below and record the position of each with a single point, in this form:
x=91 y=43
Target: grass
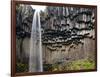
x=74 y=65
x=80 y=65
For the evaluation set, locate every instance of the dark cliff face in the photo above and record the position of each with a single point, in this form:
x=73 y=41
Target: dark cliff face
x=67 y=24
x=24 y=17
x=69 y=31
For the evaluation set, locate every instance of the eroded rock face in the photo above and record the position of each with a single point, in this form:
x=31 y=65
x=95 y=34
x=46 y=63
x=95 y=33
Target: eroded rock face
x=67 y=34
x=24 y=17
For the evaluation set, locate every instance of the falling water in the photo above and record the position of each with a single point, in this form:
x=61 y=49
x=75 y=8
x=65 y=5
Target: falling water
x=35 y=59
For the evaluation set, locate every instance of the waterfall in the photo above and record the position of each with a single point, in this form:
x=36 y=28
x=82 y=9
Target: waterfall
x=35 y=58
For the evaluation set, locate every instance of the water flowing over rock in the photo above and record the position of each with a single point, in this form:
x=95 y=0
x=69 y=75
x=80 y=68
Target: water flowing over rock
x=35 y=60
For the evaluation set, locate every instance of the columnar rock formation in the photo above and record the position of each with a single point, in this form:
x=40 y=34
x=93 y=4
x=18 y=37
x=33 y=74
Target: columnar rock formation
x=67 y=34
x=24 y=17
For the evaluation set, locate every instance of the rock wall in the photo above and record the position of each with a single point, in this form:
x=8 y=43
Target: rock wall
x=68 y=34
x=24 y=17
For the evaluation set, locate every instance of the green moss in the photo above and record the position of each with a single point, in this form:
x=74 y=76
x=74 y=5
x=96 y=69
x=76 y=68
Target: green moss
x=20 y=67
x=47 y=67
x=80 y=65
x=73 y=65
